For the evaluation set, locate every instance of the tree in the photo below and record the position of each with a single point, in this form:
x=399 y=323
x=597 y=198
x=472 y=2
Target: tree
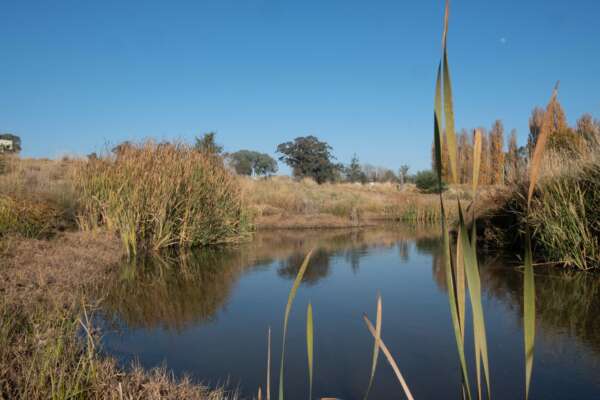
x=484 y=169
x=265 y=164
x=512 y=161
x=535 y=127
x=16 y=142
x=309 y=157
x=589 y=130
x=388 y=176
x=354 y=172
x=207 y=144
x=247 y=162
x=403 y=173
x=427 y=181
x=497 y=153
x=465 y=156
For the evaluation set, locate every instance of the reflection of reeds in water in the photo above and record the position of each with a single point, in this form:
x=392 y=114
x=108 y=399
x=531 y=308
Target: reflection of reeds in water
x=173 y=293
x=177 y=292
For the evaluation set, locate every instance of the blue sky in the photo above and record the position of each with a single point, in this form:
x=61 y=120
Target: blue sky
x=76 y=75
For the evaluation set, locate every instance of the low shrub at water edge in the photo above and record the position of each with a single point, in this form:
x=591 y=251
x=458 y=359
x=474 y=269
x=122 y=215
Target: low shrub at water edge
x=158 y=196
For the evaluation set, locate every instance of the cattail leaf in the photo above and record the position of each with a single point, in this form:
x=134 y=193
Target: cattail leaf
x=268 y=387
x=375 y=347
x=528 y=314
x=288 y=308
x=389 y=357
x=310 y=346
x=449 y=119
x=454 y=306
x=474 y=285
x=437 y=119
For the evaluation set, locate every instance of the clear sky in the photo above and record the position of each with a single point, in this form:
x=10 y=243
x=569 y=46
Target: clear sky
x=75 y=75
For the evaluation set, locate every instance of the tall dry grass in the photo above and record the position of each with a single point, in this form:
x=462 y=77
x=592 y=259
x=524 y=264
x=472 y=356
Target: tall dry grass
x=281 y=201
x=36 y=196
x=158 y=196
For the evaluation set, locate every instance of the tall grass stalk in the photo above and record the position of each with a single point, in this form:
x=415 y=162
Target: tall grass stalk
x=375 y=347
x=288 y=309
x=310 y=347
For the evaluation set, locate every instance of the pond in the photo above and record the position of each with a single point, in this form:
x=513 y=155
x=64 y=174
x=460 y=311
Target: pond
x=207 y=316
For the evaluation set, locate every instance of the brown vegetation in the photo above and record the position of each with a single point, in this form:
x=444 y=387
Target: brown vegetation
x=281 y=202
x=44 y=312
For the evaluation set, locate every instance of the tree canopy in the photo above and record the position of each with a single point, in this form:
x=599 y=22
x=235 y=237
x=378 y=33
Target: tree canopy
x=207 y=144
x=248 y=162
x=309 y=157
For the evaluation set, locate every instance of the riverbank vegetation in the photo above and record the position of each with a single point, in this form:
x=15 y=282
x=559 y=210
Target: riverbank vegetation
x=158 y=196
x=48 y=346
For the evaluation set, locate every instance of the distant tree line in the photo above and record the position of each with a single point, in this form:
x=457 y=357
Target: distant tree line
x=500 y=165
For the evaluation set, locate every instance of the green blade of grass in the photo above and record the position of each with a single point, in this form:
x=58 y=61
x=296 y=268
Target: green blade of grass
x=375 y=347
x=528 y=314
x=389 y=357
x=474 y=285
x=454 y=306
x=309 y=347
x=288 y=308
x=268 y=394
x=437 y=118
x=448 y=102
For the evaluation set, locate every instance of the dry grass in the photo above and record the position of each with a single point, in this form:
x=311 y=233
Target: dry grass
x=281 y=202
x=43 y=318
x=158 y=196
x=36 y=197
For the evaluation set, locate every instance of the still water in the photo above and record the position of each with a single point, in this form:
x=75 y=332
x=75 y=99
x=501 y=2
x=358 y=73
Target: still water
x=207 y=316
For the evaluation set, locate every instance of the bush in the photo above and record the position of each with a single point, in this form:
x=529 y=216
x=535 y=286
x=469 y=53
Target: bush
x=29 y=218
x=427 y=181
x=160 y=196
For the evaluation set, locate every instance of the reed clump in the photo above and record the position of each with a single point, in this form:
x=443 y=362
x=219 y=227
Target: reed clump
x=158 y=196
x=565 y=217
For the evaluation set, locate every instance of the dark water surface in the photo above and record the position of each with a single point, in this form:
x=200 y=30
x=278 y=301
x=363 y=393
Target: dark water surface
x=208 y=317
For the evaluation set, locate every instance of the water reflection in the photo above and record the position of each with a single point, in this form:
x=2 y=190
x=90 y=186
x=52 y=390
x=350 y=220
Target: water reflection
x=206 y=314
x=174 y=293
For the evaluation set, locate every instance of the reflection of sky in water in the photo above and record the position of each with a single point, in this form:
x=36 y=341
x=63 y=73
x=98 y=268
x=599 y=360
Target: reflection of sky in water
x=210 y=318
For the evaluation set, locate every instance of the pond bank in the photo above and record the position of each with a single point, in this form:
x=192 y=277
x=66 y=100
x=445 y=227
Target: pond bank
x=46 y=304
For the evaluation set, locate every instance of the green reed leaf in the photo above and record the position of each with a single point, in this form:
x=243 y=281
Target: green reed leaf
x=268 y=394
x=375 y=347
x=528 y=313
x=454 y=305
x=474 y=285
x=310 y=346
x=288 y=308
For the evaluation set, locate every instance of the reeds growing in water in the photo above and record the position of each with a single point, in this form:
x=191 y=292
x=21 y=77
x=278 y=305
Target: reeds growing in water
x=158 y=196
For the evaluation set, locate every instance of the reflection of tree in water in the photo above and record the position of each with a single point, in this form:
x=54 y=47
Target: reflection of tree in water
x=174 y=293
x=428 y=245
x=567 y=302
x=317 y=269
x=404 y=250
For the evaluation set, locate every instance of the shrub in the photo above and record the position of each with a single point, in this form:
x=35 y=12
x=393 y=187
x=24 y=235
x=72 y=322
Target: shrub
x=160 y=196
x=28 y=217
x=427 y=182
